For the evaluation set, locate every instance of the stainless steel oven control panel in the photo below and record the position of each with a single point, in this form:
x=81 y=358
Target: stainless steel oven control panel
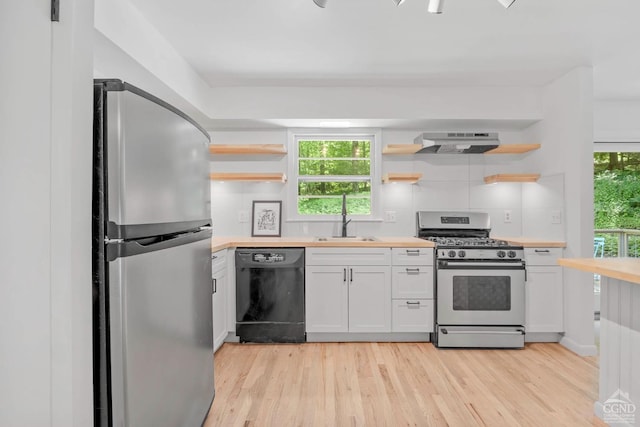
x=505 y=253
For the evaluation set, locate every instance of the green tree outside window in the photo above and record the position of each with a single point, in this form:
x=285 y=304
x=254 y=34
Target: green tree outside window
x=329 y=168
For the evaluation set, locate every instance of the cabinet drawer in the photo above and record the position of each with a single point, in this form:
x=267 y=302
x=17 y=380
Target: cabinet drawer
x=412 y=256
x=412 y=282
x=542 y=256
x=348 y=256
x=412 y=315
x=219 y=260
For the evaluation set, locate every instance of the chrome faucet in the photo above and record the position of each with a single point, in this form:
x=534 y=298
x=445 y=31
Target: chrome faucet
x=344 y=215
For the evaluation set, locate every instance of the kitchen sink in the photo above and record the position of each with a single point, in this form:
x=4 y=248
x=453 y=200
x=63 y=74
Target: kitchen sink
x=345 y=239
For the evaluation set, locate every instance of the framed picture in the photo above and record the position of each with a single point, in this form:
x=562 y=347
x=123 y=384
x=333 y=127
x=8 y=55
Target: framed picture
x=266 y=218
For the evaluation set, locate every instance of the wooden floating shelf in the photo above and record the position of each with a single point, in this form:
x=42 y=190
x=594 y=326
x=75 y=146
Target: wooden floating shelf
x=409 y=178
x=255 y=177
x=512 y=177
x=247 y=149
x=513 y=149
x=401 y=148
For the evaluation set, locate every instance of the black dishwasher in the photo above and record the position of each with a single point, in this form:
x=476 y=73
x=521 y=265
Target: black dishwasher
x=270 y=295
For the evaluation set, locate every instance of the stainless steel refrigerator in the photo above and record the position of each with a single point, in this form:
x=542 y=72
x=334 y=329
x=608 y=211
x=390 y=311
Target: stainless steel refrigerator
x=152 y=286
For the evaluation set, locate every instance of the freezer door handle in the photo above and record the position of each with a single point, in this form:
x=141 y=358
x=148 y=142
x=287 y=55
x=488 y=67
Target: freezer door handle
x=125 y=248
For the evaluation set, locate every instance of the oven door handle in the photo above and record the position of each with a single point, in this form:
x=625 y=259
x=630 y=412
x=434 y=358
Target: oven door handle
x=472 y=265
x=516 y=332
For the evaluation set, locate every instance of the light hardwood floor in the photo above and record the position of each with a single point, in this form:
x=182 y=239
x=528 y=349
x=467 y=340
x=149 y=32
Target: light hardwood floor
x=401 y=384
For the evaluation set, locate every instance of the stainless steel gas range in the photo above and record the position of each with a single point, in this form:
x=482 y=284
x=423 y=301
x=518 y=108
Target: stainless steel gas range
x=479 y=283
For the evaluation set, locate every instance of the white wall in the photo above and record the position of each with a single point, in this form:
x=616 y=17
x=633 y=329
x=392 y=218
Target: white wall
x=25 y=258
x=616 y=121
x=128 y=47
x=45 y=175
x=71 y=171
x=567 y=132
x=449 y=182
x=411 y=103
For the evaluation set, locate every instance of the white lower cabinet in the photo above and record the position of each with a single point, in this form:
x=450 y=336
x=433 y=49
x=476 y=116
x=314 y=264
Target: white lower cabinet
x=219 y=275
x=412 y=290
x=348 y=290
x=327 y=299
x=369 y=298
x=544 y=291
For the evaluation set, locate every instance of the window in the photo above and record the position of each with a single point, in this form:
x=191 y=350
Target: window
x=325 y=166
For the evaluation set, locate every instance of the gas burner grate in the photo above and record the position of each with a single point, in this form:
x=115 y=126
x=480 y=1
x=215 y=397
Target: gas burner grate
x=467 y=241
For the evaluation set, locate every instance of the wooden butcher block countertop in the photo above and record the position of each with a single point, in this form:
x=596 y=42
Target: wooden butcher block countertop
x=218 y=243
x=534 y=243
x=627 y=269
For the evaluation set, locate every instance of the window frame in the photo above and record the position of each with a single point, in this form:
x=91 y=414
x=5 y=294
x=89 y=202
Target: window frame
x=375 y=137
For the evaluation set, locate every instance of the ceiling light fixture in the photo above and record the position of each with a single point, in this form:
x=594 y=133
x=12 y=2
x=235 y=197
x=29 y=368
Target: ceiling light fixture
x=320 y=3
x=435 y=6
x=506 y=3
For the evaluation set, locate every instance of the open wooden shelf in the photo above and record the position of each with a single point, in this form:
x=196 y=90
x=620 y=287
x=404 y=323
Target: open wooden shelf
x=513 y=149
x=409 y=178
x=401 y=148
x=247 y=149
x=512 y=177
x=241 y=176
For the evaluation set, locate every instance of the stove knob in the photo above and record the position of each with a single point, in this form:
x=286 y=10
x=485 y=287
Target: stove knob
x=511 y=254
x=462 y=254
x=501 y=254
x=452 y=254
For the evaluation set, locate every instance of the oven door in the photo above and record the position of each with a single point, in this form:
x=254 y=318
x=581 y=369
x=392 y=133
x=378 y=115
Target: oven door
x=480 y=293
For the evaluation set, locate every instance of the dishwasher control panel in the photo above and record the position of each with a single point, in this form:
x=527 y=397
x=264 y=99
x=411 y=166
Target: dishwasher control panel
x=268 y=258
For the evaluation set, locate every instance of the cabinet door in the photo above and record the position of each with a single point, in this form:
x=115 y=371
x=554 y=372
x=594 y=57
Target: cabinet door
x=544 y=307
x=219 y=306
x=326 y=299
x=369 y=299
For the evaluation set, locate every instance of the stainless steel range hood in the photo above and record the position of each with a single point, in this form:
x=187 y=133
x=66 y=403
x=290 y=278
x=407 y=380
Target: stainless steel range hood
x=457 y=142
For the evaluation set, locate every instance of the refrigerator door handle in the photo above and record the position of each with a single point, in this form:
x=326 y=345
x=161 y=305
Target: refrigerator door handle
x=127 y=248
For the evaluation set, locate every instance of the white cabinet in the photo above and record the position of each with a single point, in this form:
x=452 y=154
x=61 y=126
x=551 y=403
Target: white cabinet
x=412 y=290
x=220 y=282
x=326 y=299
x=348 y=290
x=544 y=291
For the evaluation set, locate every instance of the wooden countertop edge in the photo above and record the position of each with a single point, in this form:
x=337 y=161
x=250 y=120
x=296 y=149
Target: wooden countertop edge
x=534 y=243
x=627 y=269
x=219 y=243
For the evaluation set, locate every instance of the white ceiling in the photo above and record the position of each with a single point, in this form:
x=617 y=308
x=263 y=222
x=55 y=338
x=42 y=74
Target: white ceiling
x=373 y=42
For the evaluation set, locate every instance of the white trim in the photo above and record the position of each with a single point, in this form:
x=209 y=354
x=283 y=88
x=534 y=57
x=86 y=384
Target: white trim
x=327 y=134
x=579 y=349
x=616 y=147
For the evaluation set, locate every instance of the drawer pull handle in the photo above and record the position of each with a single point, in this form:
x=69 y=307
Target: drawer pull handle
x=542 y=251
x=413 y=270
x=413 y=251
x=413 y=303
